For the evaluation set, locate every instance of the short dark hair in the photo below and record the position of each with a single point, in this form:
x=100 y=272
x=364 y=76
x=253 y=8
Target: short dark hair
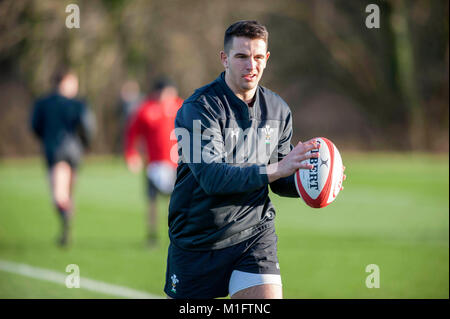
x=163 y=82
x=245 y=28
x=60 y=74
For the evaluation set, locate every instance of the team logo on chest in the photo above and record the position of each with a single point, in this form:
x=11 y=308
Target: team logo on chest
x=267 y=131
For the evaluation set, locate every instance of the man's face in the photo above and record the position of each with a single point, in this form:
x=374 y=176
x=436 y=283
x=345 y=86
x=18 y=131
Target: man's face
x=69 y=85
x=245 y=63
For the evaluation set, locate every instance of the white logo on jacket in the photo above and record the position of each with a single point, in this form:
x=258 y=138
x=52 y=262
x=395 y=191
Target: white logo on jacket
x=267 y=130
x=174 y=283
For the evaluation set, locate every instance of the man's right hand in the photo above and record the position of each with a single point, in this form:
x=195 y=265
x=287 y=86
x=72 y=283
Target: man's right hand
x=293 y=161
x=134 y=164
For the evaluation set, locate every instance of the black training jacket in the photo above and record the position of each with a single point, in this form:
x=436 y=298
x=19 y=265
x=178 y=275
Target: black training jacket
x=221 y=191
x=62 y=123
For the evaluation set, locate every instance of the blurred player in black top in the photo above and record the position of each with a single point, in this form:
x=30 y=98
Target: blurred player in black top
x=64 y=126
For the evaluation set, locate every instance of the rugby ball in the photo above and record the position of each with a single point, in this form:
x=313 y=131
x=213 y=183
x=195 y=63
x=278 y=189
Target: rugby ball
x=319 y=186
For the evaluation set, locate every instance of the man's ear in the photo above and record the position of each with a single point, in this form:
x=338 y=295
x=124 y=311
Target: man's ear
x=224 y=59
x=267 y=56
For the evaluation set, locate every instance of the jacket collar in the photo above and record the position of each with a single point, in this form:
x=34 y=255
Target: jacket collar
x=251 y=111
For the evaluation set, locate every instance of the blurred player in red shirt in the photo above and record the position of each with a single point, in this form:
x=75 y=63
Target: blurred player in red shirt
x=152 y=124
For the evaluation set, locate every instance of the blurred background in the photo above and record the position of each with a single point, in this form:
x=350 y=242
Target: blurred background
x=371 y=91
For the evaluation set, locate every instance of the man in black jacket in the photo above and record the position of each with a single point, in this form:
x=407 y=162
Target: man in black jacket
x=234 y=140
x=64 y=126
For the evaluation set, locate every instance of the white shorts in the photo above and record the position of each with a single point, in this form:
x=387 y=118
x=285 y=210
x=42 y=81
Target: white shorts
x=241 y=280
x=162 y=175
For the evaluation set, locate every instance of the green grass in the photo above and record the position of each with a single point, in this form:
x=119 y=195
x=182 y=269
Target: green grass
x=24 y=287
x=394 y=212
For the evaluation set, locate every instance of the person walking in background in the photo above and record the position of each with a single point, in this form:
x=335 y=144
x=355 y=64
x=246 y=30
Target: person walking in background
x=129 y=100
x=153 y=123
x=64 y=126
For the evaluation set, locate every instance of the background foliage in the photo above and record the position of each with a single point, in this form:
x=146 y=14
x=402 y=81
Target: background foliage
x=365 y=89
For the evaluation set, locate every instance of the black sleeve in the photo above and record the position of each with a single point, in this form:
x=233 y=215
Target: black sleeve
x=285 y=186
x=202 y=148
x=37 y=120
x=87 y=126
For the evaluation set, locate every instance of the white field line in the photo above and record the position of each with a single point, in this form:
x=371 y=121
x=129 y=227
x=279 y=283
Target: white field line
x=85 y=283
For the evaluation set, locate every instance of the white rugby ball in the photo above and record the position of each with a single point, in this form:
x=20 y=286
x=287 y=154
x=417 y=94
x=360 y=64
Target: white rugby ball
x=319 y=186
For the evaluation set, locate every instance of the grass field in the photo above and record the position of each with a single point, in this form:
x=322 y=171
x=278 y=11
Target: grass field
x=394 y=212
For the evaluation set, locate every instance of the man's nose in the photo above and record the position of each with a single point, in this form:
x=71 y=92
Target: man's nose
x=251 y=64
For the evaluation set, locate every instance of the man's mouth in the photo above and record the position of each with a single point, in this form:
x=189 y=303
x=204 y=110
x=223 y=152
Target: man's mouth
x=249 y=77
